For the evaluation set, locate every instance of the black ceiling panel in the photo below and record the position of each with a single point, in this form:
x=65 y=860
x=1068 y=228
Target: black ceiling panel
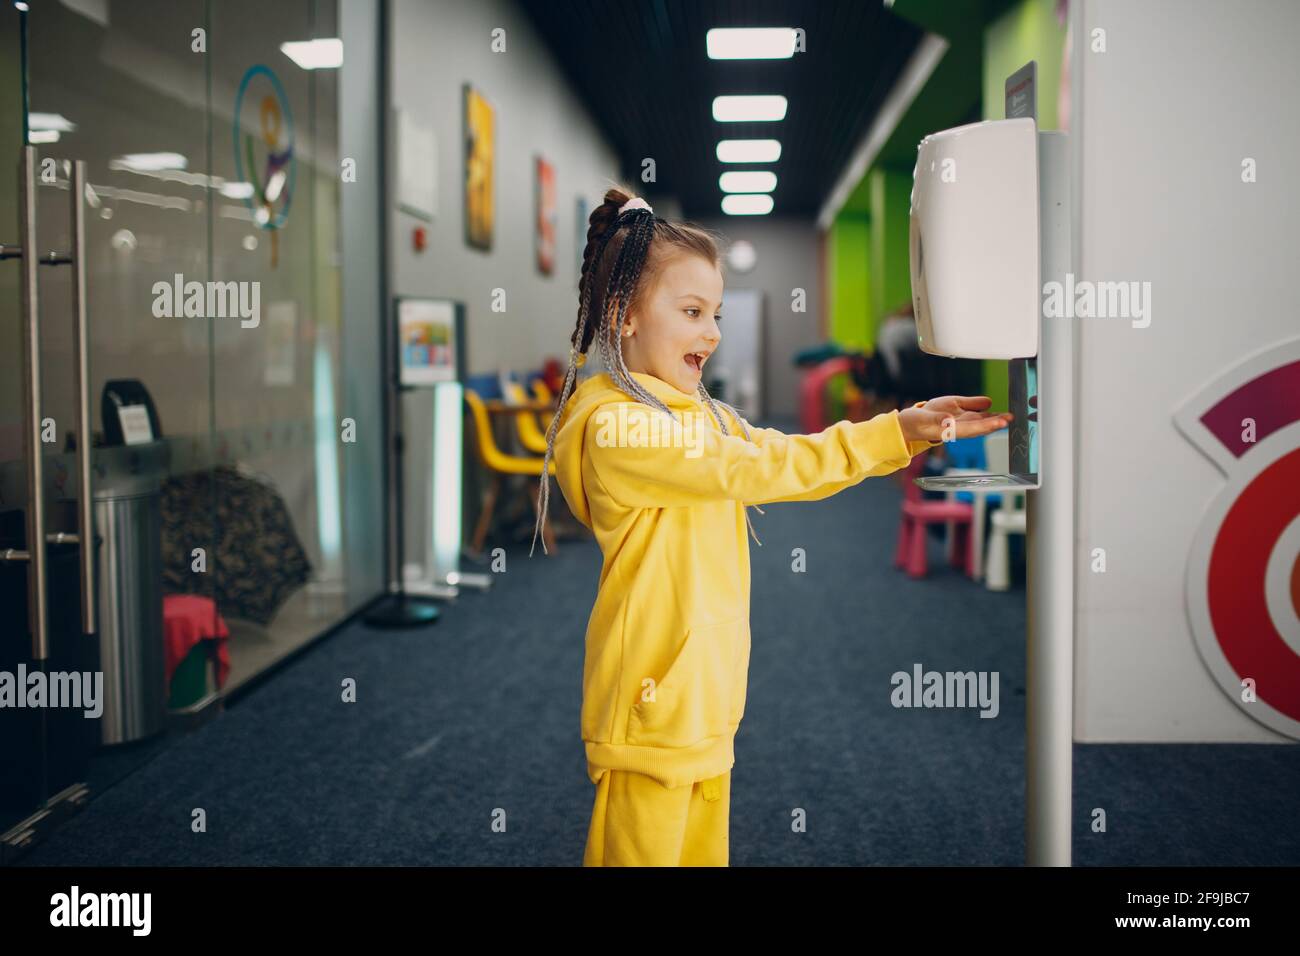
x=642 y=69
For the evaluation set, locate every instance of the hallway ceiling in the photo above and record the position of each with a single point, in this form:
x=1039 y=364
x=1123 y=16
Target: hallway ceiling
x=642 y=70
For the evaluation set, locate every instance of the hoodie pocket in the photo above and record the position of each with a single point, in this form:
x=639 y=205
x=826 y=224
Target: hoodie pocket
x=701 y=695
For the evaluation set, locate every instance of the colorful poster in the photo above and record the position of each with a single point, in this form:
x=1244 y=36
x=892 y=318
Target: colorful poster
x=426 y=331
x=546 y=217
x=479 y=162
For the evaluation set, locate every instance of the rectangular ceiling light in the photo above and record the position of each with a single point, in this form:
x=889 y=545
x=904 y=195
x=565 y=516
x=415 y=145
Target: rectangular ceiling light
x=322 y=54
x=237 y=190
x=747 y=204
x=752 y=181
x=749 y=151
x=748 y=109
x=750 y=43
x=148 y=162
x=50 y=121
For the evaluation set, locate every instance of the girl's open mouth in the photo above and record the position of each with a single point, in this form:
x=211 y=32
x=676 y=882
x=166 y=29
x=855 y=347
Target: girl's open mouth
x=695 y=360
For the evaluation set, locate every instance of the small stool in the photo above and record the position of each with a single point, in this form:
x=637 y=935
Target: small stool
x=1006 y=522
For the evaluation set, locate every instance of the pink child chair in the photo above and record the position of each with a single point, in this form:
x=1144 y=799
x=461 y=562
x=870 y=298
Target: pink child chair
x=812 y=393
x=918 y=514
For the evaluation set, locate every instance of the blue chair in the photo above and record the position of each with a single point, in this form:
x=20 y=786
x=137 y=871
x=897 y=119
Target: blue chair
x=969 y=453
x=485 y=386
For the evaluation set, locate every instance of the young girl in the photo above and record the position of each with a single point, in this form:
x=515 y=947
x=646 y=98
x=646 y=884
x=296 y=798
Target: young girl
x=660 y=472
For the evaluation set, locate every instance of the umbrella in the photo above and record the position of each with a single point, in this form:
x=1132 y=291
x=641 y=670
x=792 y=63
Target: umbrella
x=255 y=559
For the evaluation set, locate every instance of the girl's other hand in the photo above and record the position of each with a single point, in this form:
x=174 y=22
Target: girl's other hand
x=951 y=417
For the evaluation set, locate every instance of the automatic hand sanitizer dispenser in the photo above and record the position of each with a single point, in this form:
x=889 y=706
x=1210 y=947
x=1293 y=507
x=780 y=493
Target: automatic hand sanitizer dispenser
x=989 y=220
x=974 y=239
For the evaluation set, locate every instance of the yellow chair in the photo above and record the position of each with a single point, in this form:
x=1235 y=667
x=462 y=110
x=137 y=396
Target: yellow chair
x=530 y=435
x=500 y=465
x=544 y=394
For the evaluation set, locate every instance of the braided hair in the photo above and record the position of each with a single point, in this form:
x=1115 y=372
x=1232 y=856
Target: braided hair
x=614 y=273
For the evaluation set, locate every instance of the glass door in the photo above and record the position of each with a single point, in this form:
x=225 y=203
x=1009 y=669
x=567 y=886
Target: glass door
x=185 y=198
x=109 y=105
x=24 y=782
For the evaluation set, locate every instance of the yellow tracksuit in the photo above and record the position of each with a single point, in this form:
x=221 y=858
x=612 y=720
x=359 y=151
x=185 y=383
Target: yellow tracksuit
x=667 y=644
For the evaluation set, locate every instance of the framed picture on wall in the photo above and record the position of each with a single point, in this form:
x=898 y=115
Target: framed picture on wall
x=480 y=160
x=430 y=341
x=546 y=216
x=417 y=166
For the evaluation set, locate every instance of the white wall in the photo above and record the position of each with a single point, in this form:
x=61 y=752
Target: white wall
x=435 y=49
x=1163 y=120
x=786 y=260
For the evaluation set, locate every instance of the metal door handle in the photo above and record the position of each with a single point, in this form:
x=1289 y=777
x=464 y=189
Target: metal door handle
x=34 y=554
x=85 y=511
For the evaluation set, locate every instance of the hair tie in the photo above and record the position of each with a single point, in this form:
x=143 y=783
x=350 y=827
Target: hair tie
x=635 y=203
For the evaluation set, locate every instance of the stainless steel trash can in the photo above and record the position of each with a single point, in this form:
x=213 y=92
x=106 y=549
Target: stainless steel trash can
x=128 y=518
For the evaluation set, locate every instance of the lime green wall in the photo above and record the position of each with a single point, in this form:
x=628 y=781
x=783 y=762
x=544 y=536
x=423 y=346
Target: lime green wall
x=891 y=200
x=849 y=261
x=1028 y=31
x=868 y=260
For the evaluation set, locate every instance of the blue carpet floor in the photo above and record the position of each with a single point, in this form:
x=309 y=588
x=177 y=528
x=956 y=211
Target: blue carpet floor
x=477 y=717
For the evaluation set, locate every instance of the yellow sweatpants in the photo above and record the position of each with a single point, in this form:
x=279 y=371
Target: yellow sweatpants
x=637 y=821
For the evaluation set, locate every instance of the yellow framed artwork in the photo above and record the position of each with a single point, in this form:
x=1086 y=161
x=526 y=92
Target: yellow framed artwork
x=480 y=152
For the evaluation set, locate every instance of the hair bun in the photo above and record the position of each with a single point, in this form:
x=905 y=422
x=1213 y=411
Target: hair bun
x=603 y=216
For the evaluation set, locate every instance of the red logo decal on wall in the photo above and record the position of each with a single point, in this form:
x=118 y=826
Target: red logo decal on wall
x=1243 y=569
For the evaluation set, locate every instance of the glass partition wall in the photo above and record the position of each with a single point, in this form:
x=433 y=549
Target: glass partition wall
x=276 y=422
x=220 y=459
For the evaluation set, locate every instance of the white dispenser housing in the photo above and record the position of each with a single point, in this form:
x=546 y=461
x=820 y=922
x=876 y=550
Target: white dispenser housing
x=975 y=241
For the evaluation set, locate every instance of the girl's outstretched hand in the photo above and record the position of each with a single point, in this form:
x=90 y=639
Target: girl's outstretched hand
x=951 y=417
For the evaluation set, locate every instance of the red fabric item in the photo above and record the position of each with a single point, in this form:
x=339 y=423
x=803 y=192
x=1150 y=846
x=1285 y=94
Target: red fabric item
x=553 y=375
x=188 y=619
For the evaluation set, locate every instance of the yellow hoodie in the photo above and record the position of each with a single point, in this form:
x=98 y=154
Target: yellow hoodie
x=667 y=644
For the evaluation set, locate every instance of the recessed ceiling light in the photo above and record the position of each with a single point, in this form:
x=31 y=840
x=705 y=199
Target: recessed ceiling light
x=751 y=181
x=747 y=204
x=322 y=54
x=750 y=43
x=748 y=109
x=742 y=256
x=749 y=150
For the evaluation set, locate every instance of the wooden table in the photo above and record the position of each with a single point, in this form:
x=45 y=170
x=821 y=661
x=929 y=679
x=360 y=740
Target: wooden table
x=498 y=406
